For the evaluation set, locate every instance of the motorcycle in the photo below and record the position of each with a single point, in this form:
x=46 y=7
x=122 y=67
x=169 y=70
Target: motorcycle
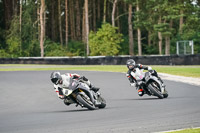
x=150 y=83
x=80 y=93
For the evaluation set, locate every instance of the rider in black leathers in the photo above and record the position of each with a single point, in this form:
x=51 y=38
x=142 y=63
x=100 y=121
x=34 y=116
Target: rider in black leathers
x=131 y=65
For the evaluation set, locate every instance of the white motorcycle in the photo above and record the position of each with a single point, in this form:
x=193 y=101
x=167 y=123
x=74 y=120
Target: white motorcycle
x=81 y=94
x=150 y=83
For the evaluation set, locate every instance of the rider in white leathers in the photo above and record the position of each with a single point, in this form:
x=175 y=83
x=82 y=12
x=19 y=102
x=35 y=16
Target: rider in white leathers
x=62 y=81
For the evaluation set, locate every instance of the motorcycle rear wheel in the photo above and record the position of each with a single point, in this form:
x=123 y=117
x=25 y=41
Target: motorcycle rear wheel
x=155 y=91
x=85 y=103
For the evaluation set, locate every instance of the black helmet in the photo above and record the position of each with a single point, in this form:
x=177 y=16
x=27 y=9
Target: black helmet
x=55 y=77
x=130 y=64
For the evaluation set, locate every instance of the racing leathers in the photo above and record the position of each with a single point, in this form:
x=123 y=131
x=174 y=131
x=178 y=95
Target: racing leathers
x=133 y=81
x=65 y=83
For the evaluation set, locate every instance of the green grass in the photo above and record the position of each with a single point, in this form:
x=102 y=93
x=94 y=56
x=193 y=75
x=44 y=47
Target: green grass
x=187 y=131
x=111 y=68
x=188 y=71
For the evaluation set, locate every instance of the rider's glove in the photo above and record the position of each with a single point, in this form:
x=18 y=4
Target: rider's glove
x=83 y=78
x=133 y=84
x=149 y=68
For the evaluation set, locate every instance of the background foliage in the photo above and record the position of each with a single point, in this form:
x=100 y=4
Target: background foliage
x=105 y=41
x=21 y=38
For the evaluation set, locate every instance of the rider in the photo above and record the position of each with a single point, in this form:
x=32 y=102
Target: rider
x=132 y=68
x=62 y=81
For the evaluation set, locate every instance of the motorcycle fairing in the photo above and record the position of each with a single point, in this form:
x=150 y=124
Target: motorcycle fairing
x=149 y=77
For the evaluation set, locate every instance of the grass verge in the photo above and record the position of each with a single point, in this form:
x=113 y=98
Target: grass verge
x=197 y=130
x=188 y=71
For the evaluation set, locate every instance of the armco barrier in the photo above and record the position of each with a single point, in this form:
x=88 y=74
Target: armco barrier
x=107 y=60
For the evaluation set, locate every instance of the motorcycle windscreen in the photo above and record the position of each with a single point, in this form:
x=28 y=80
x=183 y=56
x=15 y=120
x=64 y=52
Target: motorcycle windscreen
x=73 y=83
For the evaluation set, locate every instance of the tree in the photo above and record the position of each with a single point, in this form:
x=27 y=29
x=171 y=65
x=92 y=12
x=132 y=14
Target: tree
x=20 y=16
x=13 y=39
x=72 y=20
x=78 y=21
x=60 y=23
x=66 y=23
x=94 y=16
x=53 y=21
x=130 y=31
x=9 y=11
x=104 y=11
x=105 y=41
x=160 y=36
x=21 y=38
x=99 y=10
x=158 y=24
x=83 y=27
x=87 y=26
x=113 y=13
x=42 y=11
x=139 y=31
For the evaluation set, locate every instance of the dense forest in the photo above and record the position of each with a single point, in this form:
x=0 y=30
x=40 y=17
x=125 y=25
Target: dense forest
x=41 y=28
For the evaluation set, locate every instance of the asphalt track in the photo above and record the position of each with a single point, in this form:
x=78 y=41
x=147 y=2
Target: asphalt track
x=28 y=104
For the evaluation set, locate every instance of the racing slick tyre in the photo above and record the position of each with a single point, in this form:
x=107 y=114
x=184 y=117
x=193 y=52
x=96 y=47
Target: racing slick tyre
x=85 y=102
x=103 y=102
x=165 y=95
x=156 y=91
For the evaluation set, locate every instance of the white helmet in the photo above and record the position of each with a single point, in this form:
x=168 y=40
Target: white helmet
x=55 y=77
x=130 y=64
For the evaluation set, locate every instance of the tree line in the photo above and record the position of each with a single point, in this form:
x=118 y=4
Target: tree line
x=97 y=27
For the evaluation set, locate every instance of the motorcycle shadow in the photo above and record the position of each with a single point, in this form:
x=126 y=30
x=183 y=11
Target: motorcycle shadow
x=76 y=110
x=139 y=99
x=148 y=98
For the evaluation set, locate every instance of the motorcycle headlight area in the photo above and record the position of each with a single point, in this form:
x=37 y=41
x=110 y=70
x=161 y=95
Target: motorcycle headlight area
x=67 y=92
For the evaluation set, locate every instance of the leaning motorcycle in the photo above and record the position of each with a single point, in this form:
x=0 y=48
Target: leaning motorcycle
x=150 y=83
x=80 y=93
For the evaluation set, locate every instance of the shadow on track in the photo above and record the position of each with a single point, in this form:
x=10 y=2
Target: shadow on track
x=153 y=98
x=65 y=111
x=138 y=99
x=75 y=110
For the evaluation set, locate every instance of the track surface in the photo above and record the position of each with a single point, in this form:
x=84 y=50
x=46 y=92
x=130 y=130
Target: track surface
x=28 y=104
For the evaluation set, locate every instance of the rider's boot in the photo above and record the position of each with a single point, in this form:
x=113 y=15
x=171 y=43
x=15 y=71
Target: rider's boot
x=95 y=89
x=140 y=92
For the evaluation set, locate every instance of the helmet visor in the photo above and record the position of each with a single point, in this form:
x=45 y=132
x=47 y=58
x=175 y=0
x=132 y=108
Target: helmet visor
x=55 y=80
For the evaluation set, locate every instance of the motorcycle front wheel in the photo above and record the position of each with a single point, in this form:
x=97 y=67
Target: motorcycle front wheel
x=85 y=102
x=155 y=90
x=165 y=94
x=103 y=102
